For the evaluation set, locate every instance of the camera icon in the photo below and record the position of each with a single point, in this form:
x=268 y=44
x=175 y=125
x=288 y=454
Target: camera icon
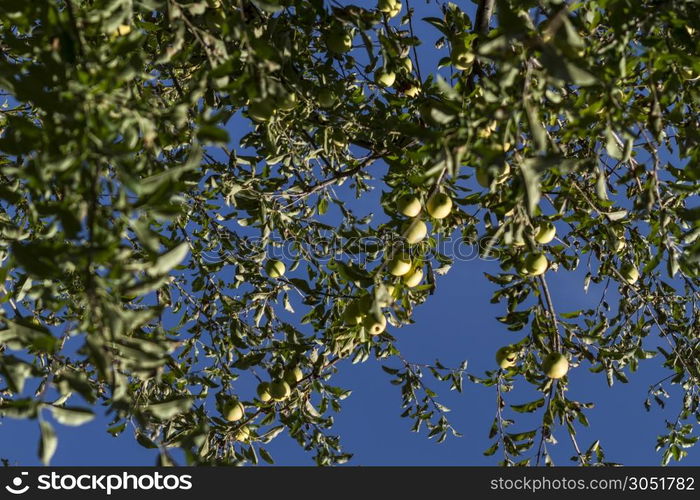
x=16 y=488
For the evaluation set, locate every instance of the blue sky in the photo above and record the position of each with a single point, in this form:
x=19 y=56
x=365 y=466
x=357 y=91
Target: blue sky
x=458 y=322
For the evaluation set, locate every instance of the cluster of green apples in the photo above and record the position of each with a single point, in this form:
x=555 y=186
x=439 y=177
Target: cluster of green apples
x=280 y=387
x=535 y=263
x=387 y=74
x=234 y=411
x=389 y=7
x=359 y=312
x=263 y=110
x=555 y=365
x=414 y=230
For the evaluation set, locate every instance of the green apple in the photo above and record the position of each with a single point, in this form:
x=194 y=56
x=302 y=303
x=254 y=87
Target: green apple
x=555 y=365
x=629 y=273
x=406 y=64
x=399 y=265
x=352 y=315
x=261 y=110
x=545 y=233
x=408 y=205
x=293 y=376
x=413 y=278
x=414 y=231
x=384 y=77
x=439 y=206
x=288 y=102
x=462 y=57
x=619 y=245
x=280 y=390
x=263 y=391
x=275 y=268
x=536 y=264
x=242 y=434
x=234 y=411
x=339 y=41
x=326 y=98
x=506 y=357
x=412 y=90
x=373 y=325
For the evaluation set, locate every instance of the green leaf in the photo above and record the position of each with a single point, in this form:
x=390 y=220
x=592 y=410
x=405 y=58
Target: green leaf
x=167 y=261
x=168 y=409
x=47 y=442
x=213 y=135
x=22 y=333
x=71 y=416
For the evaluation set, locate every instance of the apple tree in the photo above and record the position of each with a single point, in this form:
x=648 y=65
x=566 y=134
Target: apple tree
x=183 y=211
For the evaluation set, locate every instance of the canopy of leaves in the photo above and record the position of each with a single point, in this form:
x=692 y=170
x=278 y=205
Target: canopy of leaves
x=139 y=206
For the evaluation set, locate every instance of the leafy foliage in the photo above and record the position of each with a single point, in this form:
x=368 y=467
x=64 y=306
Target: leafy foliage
x=139 y=204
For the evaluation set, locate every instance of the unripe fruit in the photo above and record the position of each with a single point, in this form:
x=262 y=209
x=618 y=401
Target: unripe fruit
x=385 y=5
x=293 y=375
x=545 y=233
x=373 y=325
x=280 y=390
x=619 y=245
x=260 y=110
x=536 y=264
x=462 y=58
x=288 y=102
x=352 y=314
x=414 y=231
x=439 y=206
x=629 y=273
x=506 y=357
x=384 y=77
x=414 y=278
x=399 y=265
x=234 y=411
x=408 y=205
x=243 y=434
x=275 y=268
x=339 y=42
x=263 y=391
x=407 y=64
x=326 y=98
x=555 y=365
